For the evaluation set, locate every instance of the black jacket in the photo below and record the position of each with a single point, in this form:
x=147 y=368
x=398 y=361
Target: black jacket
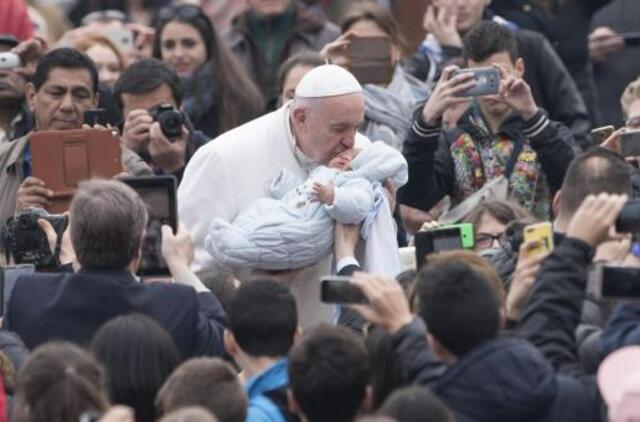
x=505 y=379
x=554 y=310
x=73 y=307
x=551 y=84
x=432 y=168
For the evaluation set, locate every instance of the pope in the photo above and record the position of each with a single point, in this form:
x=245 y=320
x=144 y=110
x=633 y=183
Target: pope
x=234 y=170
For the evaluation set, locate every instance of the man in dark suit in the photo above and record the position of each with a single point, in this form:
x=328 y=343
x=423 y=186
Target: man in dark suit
x=106 y=230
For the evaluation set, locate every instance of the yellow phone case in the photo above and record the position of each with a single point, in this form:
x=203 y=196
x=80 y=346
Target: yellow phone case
x=542 y=233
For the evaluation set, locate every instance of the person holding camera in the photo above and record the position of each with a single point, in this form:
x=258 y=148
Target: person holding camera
x=150 y=96
x=104 y=239
x=63 y=86
x=504 y=135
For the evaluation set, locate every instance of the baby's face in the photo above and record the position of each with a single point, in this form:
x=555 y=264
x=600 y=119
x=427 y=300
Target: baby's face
x=343 y=160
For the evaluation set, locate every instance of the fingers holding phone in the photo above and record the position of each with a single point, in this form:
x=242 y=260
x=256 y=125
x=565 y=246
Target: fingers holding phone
x=447 y=93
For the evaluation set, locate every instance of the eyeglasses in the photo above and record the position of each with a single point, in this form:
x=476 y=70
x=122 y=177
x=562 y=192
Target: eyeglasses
x=486 y=240
x=633 y=122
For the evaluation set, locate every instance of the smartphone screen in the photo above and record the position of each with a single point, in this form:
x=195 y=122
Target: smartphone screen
x=429 y=242
x=8 y=278
x=630 y=143
x=620 y=283
x=96 y=116
x=340 y=290
x=159 y=196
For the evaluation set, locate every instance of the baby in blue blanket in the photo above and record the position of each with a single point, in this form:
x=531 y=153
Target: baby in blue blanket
x=294 y=228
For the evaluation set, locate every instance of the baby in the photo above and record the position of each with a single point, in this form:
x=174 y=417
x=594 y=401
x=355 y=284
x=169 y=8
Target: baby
x=294 y=228
x=342 y=162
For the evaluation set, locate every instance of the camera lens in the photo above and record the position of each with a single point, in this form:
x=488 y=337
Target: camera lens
x=26 y=222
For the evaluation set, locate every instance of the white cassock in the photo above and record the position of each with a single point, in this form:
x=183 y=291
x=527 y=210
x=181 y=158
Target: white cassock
x=234 y=170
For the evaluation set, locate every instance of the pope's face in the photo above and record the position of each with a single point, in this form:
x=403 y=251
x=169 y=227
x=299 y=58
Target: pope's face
x=326 y=127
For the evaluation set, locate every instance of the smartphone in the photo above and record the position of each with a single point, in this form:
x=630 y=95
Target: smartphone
x=159 y=195
x=620 y=283
x=9 y=60
x=487 y=81
x=446 y=238
x=121 y=37
x=96 y=116
x=541 y=233
x=337 y=289
x=8 y=277
x=370 y=59
x=631 y=39
x=630 y=143
x=599 y=135
x=628 y=220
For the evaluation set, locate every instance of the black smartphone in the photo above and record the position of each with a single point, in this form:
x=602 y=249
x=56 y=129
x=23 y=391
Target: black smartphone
x=620 y=283
x=8 y=277
x=631 y=39
x=487 y=81
x=159 y=195
x=337 y=289
x=96 y=116
x=630 y=143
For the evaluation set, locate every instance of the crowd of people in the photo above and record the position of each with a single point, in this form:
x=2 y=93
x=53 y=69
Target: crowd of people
x=291 y=165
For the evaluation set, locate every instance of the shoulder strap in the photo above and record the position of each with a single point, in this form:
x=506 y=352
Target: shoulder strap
x=513 y=158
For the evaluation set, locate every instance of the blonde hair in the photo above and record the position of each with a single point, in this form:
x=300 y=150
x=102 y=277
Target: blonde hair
x=86 y=42
x=631 y=93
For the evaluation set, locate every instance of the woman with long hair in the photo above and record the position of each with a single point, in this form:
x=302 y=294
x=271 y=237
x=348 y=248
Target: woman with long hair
x=219 y=95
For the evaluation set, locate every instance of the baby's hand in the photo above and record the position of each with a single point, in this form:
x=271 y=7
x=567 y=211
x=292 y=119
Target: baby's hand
x=323 y=193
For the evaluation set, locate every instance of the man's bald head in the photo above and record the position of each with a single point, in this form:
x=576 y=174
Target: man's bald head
x=597 y=171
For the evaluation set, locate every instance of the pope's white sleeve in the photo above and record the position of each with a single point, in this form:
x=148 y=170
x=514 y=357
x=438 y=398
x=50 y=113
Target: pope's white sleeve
x=205 y=193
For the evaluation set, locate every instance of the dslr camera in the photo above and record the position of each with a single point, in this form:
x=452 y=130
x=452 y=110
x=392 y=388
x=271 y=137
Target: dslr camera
x=26 y=241
x=170 y=119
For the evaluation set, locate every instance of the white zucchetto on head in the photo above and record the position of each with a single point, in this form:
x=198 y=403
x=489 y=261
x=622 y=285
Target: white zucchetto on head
x=328 y=80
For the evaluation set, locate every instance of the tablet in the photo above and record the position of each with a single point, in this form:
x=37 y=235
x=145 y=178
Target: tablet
x=159 y=195
x=64 y=158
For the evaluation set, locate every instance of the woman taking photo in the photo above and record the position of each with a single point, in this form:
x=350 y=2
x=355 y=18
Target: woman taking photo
x=219 y=95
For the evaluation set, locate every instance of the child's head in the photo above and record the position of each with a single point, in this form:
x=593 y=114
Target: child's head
x=343 y=160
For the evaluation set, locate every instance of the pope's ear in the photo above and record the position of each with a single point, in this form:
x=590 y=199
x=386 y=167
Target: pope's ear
x=300 y=115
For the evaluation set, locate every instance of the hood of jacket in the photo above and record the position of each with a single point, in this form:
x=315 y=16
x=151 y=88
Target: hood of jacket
x=505 y=379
